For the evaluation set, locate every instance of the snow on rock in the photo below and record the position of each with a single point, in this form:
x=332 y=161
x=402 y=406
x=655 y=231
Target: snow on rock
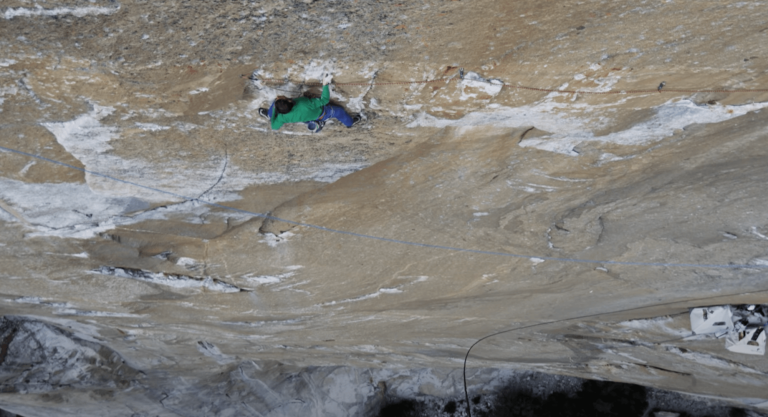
x=11 y=13
x=88 y=140
x=170 y=280
x=210 y=350
x=317 y=68
x=85 y=136
x=477 y=84
x=661 y=324
x=273 y=240
x=65 y=209
x=750 y=341
x=39 y=357
x=669 y=117
x=743 y=325
x=711 y=320
x=568 y=128
x=76 y=211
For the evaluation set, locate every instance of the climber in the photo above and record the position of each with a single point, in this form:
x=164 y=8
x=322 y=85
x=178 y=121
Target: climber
x=312 y=111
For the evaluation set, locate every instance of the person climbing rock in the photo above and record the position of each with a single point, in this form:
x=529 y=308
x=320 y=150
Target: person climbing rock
x=312 y=111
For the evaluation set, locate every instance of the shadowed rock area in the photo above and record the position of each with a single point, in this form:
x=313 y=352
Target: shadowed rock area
x=519 y=169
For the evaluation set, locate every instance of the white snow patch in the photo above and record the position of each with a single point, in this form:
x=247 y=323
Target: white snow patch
x=480 y=214
x=368 y=70
x=29 y=300
x=669 y=117
x=85 y=135
x=542 y=116
x=268 y=279
x=758 y=234
x=660 y=324
x=91 y=313
x=151 y=126
x=87 y=139
x=170 y=280
x=374 y=104
x=474 y=80
x=73 y=210
x=709 y=360
x=627 y=355
x=536 y=261
x=264 y=279
x=65 y=209
x=539 y=173
x=198 y=90
x=11 y=90
x=376 y=294
x=273 y=240
x=415 y=279
x=291 y=287
x=568 y=131
x=24 y=170
x=7 y=62
x=609 y=157
x=317 y=68
x=186 y=262
x=366 y=348
x=10 y=13
x=356 y=104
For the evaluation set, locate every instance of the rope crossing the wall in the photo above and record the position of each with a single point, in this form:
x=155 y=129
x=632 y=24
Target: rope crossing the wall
x=390 y=240
x=660 y=89
x=589 y=316
x=426 y=245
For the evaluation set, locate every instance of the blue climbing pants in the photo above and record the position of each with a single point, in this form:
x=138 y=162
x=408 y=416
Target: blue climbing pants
x=336 y=112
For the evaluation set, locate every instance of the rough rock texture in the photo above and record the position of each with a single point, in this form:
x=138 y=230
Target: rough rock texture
x=207 y=252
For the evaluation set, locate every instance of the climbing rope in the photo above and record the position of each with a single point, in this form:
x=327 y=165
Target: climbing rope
x=466 y=357
x=398 y=241
x=660 y=89
x=587 y=316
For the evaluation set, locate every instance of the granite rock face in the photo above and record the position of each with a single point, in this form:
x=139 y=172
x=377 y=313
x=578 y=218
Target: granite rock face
x=164 y=250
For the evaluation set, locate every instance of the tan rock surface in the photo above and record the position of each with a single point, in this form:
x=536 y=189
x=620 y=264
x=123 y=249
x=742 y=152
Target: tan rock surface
x=455 y=210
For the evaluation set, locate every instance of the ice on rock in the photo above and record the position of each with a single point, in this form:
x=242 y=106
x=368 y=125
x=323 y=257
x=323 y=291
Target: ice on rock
x=750 y=341
x=743 y=326
x=711 y=320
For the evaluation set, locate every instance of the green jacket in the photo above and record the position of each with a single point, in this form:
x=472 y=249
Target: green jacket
x=304 y=110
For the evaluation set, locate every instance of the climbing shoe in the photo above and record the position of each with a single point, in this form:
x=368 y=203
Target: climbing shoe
x=315 y=126
x=264 y=113
x=357 y=119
